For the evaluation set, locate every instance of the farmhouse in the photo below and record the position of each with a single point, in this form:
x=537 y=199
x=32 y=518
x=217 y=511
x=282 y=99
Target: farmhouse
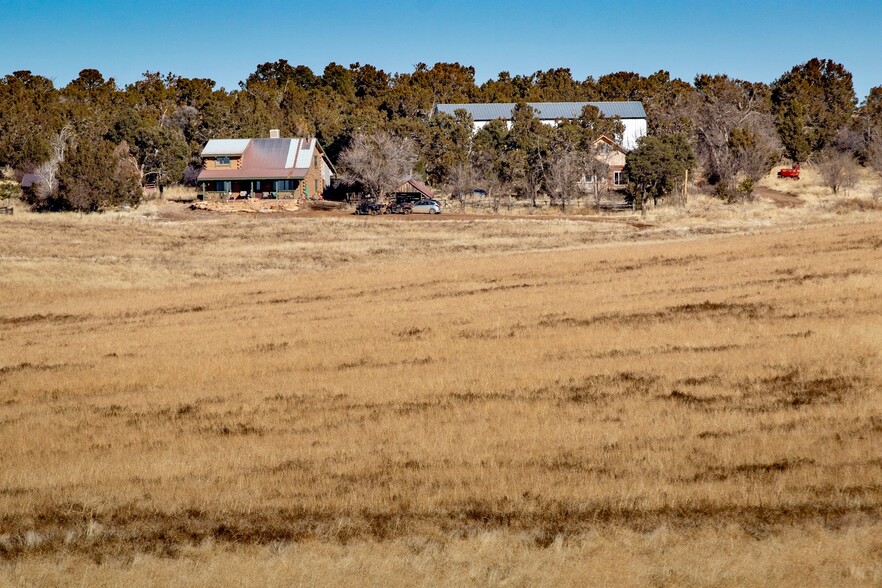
x=632 y=114
x=612 y=154
x=268 y=168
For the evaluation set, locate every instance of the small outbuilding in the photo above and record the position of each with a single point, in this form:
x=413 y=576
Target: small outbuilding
x=28 y=181
x=415 y=187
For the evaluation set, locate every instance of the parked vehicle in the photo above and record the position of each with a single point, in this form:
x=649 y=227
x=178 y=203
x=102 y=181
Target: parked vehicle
x=427 y=207
x=368 y=207
x=406 y=197
x=791 y=172
x=399 y=208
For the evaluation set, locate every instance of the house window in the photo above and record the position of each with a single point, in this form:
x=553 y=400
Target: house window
x=286 y=185
x=318 y=189
x=222 y=161
x=222 y=186
x=315 y=161
x=619 y=178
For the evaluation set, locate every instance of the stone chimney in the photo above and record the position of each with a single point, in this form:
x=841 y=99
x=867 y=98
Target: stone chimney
x=274 y=133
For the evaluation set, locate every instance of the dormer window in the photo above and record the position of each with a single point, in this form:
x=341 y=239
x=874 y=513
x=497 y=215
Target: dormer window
x=222 y=161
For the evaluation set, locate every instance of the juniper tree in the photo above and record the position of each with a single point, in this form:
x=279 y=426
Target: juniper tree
x=657 y=165
x=811 y=103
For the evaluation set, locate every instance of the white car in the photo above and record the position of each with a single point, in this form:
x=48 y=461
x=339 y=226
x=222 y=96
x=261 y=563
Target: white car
x=427 y=207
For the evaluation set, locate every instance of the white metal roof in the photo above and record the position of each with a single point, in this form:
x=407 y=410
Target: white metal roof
x=216 y=147
x=303 y=155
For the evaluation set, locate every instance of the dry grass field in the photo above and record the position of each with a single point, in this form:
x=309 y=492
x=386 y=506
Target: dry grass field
x=220 y=400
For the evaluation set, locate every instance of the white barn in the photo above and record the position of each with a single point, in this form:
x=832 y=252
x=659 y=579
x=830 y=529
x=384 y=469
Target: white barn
x=632 y=114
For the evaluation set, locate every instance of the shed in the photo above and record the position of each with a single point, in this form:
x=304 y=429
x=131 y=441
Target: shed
x=416 y=186
x=28 y=181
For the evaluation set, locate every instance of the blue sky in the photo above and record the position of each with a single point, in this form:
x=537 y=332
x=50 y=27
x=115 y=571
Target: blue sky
x=225 y=40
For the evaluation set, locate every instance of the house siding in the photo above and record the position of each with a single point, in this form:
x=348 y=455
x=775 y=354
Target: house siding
x=211 y=163
x=314 y=178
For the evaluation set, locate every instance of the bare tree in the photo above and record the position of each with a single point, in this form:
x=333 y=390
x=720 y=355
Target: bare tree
x=874 y=152
x=462 y=182
x=46 y=173
x=487 y=170
x=734 y=131
x=838 y=170
x=564 y=172
x=379 y=161
x=598 y=169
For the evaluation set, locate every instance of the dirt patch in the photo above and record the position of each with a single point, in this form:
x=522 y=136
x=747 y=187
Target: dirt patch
x=249 y=206
x=457 y=216
x=780 y=199
x=290 y=209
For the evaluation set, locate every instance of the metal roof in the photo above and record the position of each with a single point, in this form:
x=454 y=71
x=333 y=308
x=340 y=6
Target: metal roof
x=303 y=153
x=252 y=174
x=420 y=187
x=268 y=154
x=546 y=110
x=216 y=147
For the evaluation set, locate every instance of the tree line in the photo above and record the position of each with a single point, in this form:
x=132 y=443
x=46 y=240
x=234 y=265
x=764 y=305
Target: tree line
x=93 y=144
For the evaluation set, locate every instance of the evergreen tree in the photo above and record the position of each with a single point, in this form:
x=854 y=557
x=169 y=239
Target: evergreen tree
x=812 y=102
x=95 y=175
x=657 y=166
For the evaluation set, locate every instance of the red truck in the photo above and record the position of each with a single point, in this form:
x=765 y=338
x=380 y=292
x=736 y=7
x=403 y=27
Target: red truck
x=789 y=172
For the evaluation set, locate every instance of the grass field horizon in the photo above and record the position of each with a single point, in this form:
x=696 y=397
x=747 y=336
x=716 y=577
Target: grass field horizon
x=228 y=401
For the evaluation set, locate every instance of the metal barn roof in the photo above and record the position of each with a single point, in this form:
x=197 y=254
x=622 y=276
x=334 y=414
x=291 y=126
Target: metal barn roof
x=546 y=110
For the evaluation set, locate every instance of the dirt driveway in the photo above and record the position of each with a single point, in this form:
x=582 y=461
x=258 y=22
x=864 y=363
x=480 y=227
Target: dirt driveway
x=178 y=212
x=458 y=216
x=781 y=199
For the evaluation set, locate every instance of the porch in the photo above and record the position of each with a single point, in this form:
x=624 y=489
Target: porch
x=236 y=189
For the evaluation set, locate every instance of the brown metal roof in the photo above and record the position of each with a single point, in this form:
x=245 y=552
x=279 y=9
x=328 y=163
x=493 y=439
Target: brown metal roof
x=253 y=174
x=421 y=187
x=268 y=153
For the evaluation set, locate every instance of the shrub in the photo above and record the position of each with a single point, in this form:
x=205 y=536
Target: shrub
x=9 y=191
x=838 y=170
x=96 y=175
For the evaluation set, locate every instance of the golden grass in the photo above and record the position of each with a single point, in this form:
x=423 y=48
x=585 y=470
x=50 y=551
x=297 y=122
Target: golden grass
x=728 y=556
x=176 y=193
x=810 y=187
x=343 y=402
